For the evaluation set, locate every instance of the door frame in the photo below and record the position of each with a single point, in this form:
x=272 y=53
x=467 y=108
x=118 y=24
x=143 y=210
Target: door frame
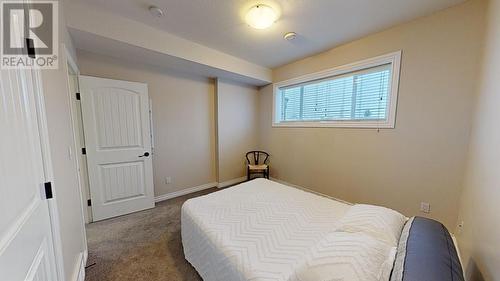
x=77 y=129
x=49 y=177
x=70 y=62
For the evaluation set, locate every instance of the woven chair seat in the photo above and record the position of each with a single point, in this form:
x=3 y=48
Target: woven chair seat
x=258 y=167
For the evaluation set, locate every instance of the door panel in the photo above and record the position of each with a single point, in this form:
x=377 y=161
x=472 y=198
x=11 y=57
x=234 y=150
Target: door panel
x=26 y=244
x=119 y=112
x=117 y=136
x=30 y=254
x=123 y=181
x=41 y=265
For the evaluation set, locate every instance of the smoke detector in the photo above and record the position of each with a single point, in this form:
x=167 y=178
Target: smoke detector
x=289 y=36
x=155 y=11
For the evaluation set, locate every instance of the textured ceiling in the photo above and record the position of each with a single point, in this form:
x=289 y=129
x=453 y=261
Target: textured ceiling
x=320 y=24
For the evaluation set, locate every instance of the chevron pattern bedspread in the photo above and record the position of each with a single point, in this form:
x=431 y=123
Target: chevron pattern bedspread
x=263 y=230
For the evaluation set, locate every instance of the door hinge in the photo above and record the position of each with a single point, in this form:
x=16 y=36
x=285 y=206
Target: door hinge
x=77 y=96
x=48 y=190
x=30 y=47
x=84 y=151
x=89 y=202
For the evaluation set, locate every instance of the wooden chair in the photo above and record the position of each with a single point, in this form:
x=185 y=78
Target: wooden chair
x=257 y=164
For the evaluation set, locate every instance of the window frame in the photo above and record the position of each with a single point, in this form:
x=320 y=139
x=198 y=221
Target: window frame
x=393 y=58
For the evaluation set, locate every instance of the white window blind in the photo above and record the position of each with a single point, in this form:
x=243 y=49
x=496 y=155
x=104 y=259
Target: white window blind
x=358 y=97
x=361 y=95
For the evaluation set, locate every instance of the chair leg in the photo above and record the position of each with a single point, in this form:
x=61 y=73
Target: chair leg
x=248 y=174
x=267 y=173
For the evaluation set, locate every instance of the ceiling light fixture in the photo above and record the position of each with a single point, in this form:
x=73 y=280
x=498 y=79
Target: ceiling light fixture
x=155 y=11
x=261 y=16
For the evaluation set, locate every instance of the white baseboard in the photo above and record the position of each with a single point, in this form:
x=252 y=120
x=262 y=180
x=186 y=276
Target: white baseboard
x=85 y=258
x=79 y=274
x=231 y=182
x=182 y=192
x=174 y=194
x=309 y=190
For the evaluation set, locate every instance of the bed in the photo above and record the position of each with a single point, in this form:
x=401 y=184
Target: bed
x=263 y=230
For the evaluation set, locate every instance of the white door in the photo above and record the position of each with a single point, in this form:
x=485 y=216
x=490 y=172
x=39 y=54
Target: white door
x=26 y=241
x=118 y=145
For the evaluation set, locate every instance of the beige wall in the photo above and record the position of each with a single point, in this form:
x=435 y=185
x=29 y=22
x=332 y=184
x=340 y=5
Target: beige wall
x=237 y=117
x=55 y=87
x=480 y=209
x=422 y=159
x=183 y=119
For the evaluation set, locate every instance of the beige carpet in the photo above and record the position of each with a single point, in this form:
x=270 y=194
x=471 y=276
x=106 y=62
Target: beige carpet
x=142 y=246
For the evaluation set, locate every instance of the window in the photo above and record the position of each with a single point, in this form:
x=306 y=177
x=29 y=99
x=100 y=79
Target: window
x=363 y=95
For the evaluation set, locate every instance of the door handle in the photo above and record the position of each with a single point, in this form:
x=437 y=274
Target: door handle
x=146 y=154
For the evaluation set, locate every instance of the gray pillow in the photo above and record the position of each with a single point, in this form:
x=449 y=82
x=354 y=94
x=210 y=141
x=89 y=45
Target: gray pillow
x=426 y=252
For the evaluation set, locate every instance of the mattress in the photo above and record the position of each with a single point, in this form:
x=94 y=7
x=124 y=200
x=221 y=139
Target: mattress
x=262 y=230
x=258 y=230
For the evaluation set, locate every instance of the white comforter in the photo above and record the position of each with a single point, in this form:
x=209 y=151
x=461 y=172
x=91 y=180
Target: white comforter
x=263 y=230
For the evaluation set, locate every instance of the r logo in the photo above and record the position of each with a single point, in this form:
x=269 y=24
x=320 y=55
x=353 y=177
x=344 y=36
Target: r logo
x=29 y=28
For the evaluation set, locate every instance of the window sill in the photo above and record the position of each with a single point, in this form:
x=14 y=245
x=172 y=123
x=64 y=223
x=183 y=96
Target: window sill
x=336 y=124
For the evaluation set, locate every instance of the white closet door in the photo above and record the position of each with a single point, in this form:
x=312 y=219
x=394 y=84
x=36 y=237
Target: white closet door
x=118 y=145
x=26 y=240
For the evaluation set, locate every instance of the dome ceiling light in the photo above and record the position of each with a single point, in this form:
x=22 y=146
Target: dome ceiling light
x=261 y=16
